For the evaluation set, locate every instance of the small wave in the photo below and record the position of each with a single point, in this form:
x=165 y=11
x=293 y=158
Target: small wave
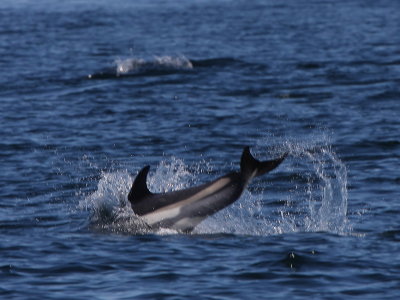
x=216 y=62
x=393 y=235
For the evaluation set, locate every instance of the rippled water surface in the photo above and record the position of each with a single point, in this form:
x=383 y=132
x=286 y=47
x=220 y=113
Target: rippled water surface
x=91 y=91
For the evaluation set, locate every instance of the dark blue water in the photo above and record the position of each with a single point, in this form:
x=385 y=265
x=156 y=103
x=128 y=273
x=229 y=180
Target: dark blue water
x=93 y=90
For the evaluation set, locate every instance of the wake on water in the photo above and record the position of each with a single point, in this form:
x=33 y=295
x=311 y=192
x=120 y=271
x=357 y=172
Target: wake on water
x=316 y=202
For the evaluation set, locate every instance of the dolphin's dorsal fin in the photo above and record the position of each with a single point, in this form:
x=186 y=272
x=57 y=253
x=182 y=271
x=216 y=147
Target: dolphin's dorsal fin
x=139 y=188
x=251 y=167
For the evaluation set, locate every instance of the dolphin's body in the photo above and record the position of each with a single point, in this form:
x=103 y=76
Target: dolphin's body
x=182 y=210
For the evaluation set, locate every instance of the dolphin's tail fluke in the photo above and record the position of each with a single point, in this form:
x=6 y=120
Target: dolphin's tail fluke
x=251 y=167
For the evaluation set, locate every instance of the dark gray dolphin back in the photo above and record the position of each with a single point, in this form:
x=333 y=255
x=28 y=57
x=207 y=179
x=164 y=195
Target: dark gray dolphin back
x=249 y=166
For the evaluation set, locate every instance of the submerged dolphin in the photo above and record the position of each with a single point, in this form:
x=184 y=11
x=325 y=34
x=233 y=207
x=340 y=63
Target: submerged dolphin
x=182 y=210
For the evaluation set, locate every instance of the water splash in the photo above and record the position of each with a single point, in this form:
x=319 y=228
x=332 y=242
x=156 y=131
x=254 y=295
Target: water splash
x=318 y=200
x=328 y=202
x=158 y=63
x=108 y=205
x=170 y=175
x=136 y=67
x=313 y=197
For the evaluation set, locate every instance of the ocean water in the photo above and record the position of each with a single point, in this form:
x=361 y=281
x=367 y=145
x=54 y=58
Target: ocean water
x=93 y=90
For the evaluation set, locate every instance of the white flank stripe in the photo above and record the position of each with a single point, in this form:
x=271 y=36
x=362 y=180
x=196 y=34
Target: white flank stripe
x=161 y=214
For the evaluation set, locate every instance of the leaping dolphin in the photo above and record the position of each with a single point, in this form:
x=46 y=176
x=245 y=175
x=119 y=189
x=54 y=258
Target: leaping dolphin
x=184 y=209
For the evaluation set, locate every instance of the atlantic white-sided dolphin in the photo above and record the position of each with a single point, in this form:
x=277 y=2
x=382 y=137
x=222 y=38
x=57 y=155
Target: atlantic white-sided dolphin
x=182 y=210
